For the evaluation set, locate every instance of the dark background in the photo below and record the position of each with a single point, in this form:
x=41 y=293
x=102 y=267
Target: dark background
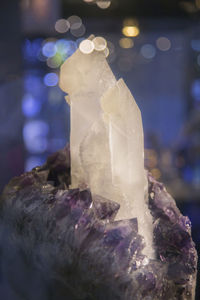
x=34 y=117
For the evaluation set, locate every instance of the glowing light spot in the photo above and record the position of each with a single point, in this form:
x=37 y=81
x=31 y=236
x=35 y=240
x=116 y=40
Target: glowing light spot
x=131 y=31
x=86 y=46
x=126 y=43
x=49 y=49
x=30 y=106
x=163 y=43
x=35 y=136
x=51 y=79
x=148 y=51
x=75 y=22
x=66 y=48
x=100 y=43
x=54 y=62
x=77 y=32
x=103 y=4
x=88 y=1
x=62 y=26
x=156 y=173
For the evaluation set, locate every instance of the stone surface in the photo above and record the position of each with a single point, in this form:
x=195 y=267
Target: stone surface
x=61 y=243
x=106 y=140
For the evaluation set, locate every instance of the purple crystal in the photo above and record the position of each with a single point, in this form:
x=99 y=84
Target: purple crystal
x=67 y=245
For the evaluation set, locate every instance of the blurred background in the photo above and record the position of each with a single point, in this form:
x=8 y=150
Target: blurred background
x=154 y=45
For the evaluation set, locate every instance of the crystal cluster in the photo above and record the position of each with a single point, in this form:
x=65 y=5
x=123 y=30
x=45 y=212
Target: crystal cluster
x=62 y=243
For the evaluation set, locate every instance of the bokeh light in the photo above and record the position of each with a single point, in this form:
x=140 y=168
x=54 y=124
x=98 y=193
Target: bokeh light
x=49 y=49
x=163 y=43
x=75 y=22
x=35 y=136
x=148 y=51
x=100 y=43
x=126 y=43
x=55 y=62
x=130 y=31
x=86 y=46
x=78 y=32
x=62 y=25
x=30 y=106
x=66 y=47
x=51 y=79
x=103 y=4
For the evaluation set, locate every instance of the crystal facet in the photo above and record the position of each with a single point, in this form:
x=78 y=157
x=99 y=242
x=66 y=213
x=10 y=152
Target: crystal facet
x=106 y=141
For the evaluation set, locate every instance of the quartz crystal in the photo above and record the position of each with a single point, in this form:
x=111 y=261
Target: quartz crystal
x=106 y=140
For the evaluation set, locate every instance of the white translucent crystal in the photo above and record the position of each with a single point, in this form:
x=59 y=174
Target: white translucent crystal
x=85 y=77
x=106 y=138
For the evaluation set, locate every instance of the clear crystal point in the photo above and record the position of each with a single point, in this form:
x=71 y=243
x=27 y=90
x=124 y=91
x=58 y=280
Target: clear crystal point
x=106 y=139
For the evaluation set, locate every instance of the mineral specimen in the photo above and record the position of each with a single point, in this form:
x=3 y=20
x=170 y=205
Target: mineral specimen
x=91 y=223
x=106 y=140
x=61 y=243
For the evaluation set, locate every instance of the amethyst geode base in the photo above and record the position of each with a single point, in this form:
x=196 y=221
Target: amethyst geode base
x=57 y=243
